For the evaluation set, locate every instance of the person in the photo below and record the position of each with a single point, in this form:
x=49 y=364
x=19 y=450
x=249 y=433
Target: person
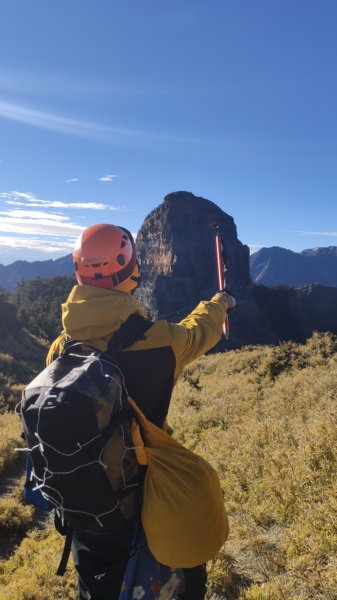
x=108 y=274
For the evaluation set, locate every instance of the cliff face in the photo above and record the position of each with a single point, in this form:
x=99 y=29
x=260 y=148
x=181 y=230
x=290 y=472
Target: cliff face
x=176 y=250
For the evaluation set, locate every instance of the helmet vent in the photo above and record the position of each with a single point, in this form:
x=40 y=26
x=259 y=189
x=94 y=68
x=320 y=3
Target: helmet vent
x=121 y=259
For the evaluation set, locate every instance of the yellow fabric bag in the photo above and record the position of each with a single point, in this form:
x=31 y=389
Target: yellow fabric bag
x=183 y=512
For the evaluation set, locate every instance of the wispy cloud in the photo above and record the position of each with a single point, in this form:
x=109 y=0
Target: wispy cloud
x=46 y=84
x=72 y=180
x=107 y=178
x=14 y=193
x=32 y=214
x=16 y=81
x=15 y=198
x=39 y=226
x=36 y=244
x=84 y=129
x=317 y=233
x=109 y=134
x=42 y=225
x=58 y=204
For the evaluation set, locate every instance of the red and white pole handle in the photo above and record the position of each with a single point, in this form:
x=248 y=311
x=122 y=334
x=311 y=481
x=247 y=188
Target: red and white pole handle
x=221 y=273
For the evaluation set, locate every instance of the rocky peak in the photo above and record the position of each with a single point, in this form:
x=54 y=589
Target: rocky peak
x=329 y=250
x=176 y=250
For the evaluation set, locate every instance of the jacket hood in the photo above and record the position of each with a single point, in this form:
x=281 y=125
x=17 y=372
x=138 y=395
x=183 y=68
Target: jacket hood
x=93 y=314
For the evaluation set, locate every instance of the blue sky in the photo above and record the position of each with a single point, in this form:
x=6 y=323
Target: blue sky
x=107 y=106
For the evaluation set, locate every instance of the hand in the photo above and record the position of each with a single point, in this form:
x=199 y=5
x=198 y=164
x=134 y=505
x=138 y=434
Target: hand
x=230 y=299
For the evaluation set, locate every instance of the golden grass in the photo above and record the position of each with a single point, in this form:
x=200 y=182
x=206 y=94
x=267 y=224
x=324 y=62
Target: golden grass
x=265 y=418
x=30 y=573
x=10 y=438
x=15 y=517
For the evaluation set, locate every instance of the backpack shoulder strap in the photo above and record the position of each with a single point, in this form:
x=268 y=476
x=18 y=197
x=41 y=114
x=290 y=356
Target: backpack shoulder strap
x=132 y=330
x=64 y=529
x=65 y=554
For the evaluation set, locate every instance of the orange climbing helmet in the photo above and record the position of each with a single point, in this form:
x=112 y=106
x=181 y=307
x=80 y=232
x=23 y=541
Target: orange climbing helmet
x=105 y=256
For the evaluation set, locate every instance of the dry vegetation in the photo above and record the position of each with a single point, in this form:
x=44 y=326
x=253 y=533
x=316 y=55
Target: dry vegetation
x=10 y=438
x=30 y=573
x=21 y=358
x=265 y=417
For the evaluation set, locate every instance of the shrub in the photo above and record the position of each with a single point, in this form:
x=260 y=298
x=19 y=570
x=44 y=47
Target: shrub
x=15 y=516
x=30 y=573
x=10 y=428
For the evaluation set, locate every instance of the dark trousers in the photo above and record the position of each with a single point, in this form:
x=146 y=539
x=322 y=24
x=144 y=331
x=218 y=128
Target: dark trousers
x=101 y=564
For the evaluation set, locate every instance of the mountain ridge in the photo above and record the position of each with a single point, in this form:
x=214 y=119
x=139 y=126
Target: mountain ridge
x=263 y=269
x=12 y=274
x=280 y=266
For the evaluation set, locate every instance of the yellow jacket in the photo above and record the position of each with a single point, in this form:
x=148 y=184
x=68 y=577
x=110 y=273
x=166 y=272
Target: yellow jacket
x=93 y=315
x=183 y=513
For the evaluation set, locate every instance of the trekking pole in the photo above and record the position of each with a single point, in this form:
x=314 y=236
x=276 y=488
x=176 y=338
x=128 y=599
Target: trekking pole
x=221 y=270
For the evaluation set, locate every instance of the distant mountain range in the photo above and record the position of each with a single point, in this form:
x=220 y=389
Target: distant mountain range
x=12 y=274
x=268 y=266
x=277 y=266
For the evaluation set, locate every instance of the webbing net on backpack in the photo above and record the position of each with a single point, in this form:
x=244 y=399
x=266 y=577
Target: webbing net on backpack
x=77 y=423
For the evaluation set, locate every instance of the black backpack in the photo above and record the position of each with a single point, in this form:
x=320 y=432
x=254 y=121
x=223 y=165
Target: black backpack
x=77 y=424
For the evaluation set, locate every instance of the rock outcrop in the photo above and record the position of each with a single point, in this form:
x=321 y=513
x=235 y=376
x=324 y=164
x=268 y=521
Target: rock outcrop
x=176 y=250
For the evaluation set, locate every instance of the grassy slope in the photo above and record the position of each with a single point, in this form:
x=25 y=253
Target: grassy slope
x=21 y=358
x=266 y=420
